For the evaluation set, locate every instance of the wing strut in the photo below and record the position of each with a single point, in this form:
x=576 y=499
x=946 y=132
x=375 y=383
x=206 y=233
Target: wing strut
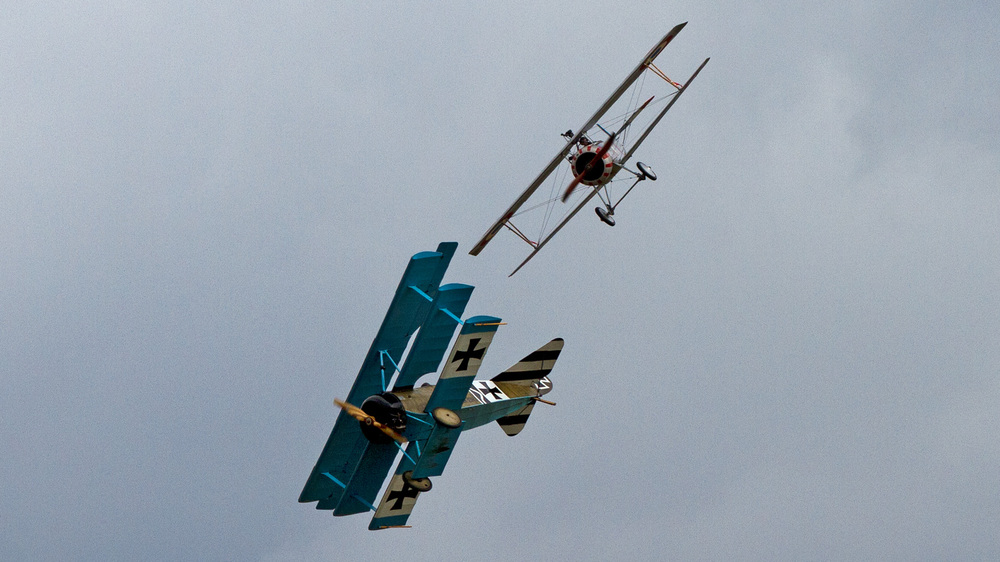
x=664 y=112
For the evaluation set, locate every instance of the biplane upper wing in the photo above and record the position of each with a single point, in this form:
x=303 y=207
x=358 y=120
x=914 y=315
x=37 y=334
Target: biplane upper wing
x=347 y=448
x=629 y=80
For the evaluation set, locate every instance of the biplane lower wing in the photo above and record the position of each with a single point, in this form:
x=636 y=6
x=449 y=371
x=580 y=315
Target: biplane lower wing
x=614 y=97
x=545 y=240
x=346 y=445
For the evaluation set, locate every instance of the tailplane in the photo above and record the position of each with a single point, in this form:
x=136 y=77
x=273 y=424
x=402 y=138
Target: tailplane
x=529 y=377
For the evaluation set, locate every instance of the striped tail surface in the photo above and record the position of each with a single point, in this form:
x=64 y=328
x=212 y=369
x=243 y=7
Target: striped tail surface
x=529 y=377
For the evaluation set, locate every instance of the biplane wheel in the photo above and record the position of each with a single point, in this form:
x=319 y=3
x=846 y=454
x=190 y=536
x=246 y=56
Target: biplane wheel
x=447 y=418
x=418 y=484
x=605 y=215
x=646 y=171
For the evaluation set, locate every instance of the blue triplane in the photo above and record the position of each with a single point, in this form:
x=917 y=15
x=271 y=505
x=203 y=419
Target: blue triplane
x=384 y=411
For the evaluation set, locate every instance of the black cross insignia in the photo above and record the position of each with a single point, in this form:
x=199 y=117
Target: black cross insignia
x=494 y=391
x=470 y=353
x=398 y=496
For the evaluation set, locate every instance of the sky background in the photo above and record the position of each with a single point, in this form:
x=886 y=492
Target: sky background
x=785 y=350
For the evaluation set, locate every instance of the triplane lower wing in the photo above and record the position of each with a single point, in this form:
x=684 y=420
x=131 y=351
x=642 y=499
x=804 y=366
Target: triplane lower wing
x=384 y=410
x=593 y=158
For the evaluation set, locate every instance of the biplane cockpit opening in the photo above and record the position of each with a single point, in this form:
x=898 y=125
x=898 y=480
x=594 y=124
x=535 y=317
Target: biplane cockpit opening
x=386 y=409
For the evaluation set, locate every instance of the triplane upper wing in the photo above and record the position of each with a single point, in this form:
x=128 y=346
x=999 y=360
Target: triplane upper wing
x=592 y=161
x=366 y=439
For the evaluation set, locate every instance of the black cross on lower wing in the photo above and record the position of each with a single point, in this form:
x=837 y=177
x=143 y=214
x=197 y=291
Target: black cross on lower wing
x=398 y=496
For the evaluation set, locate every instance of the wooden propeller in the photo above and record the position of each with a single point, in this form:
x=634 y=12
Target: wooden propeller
x=598 y=158
x=365 y=418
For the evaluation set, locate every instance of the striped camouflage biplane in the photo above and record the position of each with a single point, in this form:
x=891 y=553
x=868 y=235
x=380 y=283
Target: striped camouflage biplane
x=421 y=424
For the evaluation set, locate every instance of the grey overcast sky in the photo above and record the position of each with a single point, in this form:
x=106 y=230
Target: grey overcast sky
x=786 y=349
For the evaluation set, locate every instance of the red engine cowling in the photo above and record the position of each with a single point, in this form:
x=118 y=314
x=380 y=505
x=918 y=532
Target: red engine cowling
x=584 y=162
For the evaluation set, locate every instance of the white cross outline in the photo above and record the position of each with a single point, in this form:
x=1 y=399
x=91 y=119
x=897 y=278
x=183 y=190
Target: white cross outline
x=487 y=392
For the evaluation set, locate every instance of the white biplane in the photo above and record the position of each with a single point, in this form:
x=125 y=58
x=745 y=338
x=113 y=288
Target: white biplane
x=593 y=157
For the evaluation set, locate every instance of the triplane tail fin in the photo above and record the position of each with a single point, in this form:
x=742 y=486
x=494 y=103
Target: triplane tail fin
x=529 y=377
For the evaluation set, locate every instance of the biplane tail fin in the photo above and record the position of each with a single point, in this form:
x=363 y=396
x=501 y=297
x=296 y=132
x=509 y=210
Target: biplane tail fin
x=529 y=377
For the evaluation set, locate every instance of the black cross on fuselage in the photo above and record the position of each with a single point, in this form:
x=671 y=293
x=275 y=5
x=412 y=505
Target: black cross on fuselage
x=470 y=353
x=398 y=496
x=492 y=390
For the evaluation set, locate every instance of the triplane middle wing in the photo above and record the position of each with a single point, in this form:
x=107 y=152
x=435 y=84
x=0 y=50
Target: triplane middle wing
x=595 y=154
x=384 y=410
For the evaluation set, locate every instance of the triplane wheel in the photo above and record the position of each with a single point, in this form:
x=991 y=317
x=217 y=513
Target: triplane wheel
x=447 y=418
x=418 y=484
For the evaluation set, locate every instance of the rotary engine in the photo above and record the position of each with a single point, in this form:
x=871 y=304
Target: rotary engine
x=388 y=410
x=599 y=171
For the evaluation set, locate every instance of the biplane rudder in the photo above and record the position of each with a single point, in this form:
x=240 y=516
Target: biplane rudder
x=528 y=377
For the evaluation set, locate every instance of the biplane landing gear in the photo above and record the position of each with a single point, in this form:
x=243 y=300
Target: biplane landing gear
x=605 y=215
x=447 y=418
x=418 y=484
x=646 y=171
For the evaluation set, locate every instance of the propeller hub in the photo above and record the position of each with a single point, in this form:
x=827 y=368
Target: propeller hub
x=387 y=409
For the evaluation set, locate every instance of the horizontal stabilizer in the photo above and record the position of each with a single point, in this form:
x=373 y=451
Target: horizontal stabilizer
x=529 y=377
x=514 y=423
x=534 y=366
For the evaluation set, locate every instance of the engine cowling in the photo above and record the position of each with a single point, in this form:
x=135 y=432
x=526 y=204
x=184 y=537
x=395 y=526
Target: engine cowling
x=388 y=410
x=584 y=161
